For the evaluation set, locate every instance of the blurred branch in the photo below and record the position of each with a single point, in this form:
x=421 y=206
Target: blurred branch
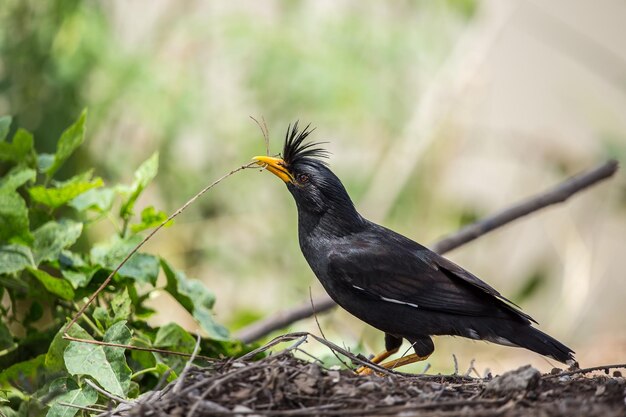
x=555 y=195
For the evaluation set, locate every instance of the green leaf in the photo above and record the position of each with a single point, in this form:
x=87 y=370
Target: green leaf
x=52 y=237
x=119 y=309
x=144 y=174
x=22 y=371
x=100 y=199
x=107 y=365
x=150 y=217
x=5 y=125
x=175 y=338
x=78 y=279
x=54 y=358
x=17 y=177
x=44 y=161
x=20 y=150
x=54 y=285
x=6 y=339
x=121 y=306
x=144 y=313
x=196 y=299
x=15 y=258
x=75 y=270
x=35 y=312
x=79 y=397
x=64 y=192
x=69 y=259
x=162 y=369
x=134 y=390
x=102 y=317
x=71 y=139
x=140 y=267
x=142 y=359
x=14 y=223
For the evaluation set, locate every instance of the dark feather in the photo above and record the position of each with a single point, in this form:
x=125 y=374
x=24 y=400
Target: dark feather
x=389 y=266
x=297 y=150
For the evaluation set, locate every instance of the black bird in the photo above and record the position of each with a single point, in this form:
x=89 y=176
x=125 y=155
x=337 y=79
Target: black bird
x=386 y=279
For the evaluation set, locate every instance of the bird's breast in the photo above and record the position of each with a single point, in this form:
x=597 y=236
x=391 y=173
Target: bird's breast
x=315 y=250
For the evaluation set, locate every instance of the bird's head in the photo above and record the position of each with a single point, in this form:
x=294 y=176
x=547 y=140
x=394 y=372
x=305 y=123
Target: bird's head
x=301 y=166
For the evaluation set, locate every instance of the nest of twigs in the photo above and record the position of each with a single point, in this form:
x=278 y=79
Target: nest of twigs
x=281 y=384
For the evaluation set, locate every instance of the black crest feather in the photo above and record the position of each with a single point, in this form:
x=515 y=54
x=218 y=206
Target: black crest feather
x=297 y=150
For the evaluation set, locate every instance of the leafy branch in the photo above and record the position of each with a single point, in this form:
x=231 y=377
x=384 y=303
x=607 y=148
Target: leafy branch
x=48 y=267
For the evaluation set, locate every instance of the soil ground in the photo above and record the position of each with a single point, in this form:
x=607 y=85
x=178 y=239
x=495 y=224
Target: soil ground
x=283 y=385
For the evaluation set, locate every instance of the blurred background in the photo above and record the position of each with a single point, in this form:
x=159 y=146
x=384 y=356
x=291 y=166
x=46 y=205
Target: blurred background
x=437 y=113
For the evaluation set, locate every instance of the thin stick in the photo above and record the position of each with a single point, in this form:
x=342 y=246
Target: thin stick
x=179 y=383
x=265 y=131
x=470 y=369
x=132 y=347
x=557 y=194
x=353 y=357
x=327 y=343
x=80 y=407
x=136 y=248
x=277 y=340
x=105 y=393
x=319 y=327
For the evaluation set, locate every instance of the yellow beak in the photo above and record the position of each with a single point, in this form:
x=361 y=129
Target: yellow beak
x=276 y=166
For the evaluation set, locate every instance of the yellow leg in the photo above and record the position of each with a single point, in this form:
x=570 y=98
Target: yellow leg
x=405 y=360
x=394 y=363
x=364 y=370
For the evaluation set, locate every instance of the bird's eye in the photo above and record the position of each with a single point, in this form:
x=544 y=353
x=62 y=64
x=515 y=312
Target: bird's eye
x=303 y=178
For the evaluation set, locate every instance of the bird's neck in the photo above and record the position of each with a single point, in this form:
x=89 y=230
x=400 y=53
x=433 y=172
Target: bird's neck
x=336 y=221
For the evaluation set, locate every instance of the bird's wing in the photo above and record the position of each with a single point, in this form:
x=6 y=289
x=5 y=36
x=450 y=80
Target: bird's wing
x=404 y=272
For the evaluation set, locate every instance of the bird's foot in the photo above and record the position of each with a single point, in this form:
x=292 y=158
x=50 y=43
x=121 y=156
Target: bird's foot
x=392 y=364
x=364 y=370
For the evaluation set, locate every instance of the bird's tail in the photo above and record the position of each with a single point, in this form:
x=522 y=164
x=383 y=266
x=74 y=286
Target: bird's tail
x=533 y=339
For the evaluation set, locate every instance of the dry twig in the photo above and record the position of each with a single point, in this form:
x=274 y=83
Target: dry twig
x=196 y=348
x=265 y=132
x=283 y=385
x=319 y=327
x=105 y=393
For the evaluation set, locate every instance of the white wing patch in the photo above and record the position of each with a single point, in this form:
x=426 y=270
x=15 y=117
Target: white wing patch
x=391 y=300
x=473 y=334
x=501 y=341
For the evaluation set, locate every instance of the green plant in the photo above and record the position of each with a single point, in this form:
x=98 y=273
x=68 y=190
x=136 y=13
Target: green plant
x=48 y=267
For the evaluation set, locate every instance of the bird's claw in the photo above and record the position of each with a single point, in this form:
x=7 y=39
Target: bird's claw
x=364 y=371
